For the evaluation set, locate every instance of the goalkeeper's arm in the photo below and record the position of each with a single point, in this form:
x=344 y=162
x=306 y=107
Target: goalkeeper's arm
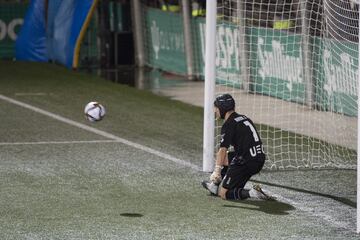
x=221 y=160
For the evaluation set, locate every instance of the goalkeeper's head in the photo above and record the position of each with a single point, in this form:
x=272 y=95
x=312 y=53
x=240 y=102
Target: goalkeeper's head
x=225 y=103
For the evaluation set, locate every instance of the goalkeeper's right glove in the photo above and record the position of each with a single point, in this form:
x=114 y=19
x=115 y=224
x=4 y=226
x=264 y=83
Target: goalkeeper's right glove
x=215 y=177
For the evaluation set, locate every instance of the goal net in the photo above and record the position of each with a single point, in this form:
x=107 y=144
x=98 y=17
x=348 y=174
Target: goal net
x=292 y=67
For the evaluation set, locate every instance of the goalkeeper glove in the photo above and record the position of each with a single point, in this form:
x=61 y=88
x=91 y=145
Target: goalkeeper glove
x=215 y=177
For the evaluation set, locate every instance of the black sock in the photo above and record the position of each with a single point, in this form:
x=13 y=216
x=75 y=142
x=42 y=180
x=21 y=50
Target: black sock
x=237 y=194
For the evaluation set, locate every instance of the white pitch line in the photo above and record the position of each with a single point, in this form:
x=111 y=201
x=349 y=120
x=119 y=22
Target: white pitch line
x=312 y=211
x=55 y=142
x=101 y=133
x=31 y=94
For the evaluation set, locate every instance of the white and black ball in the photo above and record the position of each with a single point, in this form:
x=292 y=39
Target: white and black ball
x=94 y=111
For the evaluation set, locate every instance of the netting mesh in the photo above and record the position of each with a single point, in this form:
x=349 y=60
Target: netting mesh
x=292 y=66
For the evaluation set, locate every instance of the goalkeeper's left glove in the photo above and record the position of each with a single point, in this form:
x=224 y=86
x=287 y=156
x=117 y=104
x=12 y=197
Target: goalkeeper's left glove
x=215 y=177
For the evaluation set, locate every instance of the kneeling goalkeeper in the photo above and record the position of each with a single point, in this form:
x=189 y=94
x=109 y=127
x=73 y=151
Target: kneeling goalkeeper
x=232 y=171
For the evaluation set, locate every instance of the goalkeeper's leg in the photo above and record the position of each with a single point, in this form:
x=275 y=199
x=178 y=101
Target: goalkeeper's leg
x=232 y=187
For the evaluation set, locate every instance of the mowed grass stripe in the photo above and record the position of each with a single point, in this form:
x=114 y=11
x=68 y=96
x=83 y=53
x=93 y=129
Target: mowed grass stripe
x=101 y=133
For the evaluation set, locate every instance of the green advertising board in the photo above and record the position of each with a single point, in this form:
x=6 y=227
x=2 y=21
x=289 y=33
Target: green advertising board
x=11 y=20
x=275 y=59
x=276 y=64
x=277 y=69
x=165 y=46
x=337 y=76
x=227 y=54
x=165 y=41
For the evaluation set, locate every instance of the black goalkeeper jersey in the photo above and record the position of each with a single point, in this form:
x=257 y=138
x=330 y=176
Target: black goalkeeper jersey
x=240 y=132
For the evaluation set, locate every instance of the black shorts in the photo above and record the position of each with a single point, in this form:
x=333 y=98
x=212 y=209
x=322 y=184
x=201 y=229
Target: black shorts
x=239 y=172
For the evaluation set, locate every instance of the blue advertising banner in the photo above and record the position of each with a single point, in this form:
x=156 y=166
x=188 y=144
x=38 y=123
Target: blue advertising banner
x=59 y=39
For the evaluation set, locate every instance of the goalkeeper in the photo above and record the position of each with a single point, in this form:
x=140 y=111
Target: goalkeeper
x=233 y=170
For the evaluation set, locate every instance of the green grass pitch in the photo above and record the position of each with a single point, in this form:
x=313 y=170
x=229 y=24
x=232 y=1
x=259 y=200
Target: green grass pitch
x=58 y=181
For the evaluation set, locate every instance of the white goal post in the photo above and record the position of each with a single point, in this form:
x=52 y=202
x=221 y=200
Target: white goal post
x=293 y=68
x=209 y=93
x=358 y=157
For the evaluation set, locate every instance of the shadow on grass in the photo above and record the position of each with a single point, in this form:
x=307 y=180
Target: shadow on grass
x=268 y=207
x=131 y=215
x=342 y=200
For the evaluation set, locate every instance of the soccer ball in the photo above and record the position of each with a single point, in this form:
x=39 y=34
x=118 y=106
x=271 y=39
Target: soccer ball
x=94 y=111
